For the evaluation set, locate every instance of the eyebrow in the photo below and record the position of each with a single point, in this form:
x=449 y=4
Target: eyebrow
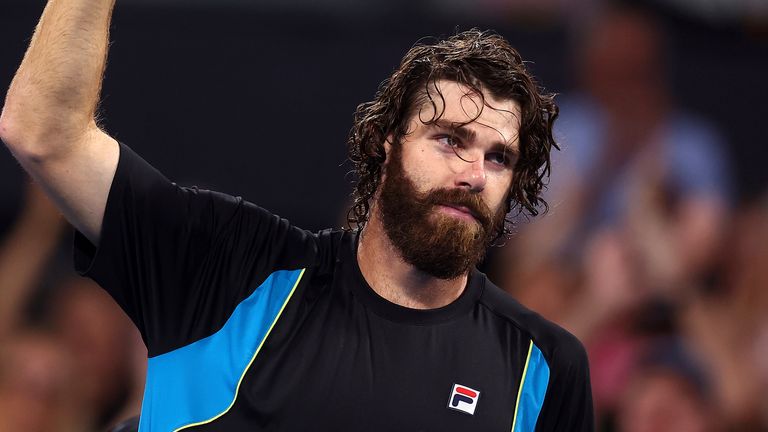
x=468 y=134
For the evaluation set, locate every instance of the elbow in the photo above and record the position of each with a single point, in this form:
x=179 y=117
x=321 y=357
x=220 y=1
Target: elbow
x=19 y=143
x=6 y=128
x=33 y=128
x=28 y=143
x=9 y=133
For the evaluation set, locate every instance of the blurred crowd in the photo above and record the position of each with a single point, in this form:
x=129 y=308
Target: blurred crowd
x=70 y=359
x=644 y=254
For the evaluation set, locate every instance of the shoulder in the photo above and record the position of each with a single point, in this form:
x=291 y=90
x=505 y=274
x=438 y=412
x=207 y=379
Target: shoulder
x=564 y=371
x=333 y=245
x=559 y=347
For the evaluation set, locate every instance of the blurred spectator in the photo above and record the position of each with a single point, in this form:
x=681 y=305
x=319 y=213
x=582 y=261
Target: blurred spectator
x=108 y=355
x=668 y=393
x=729 y=325
x=634 y=171
x=35 y=372
x=637 y=183
x=81 y=367
x=632 y=162
x=24 y=254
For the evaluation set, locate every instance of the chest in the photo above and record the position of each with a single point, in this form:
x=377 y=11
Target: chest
x=332 y=364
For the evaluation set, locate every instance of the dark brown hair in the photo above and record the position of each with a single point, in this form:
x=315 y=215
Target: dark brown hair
x=479 y=60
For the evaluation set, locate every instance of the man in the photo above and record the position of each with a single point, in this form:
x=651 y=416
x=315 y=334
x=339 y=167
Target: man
x=253 y=324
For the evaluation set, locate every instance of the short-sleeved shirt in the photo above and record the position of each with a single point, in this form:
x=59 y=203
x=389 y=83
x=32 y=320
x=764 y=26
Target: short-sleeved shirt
x=254 y=324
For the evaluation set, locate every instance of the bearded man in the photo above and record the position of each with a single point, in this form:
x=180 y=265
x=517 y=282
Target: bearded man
x=254 y=324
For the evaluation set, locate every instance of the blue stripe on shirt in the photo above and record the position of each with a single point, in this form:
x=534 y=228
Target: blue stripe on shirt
x=199 y=382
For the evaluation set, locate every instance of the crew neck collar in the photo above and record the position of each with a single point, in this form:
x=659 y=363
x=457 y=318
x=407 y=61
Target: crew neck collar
x=394 y=312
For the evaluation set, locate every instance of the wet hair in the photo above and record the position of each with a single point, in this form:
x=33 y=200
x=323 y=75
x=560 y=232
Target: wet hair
x=480 y=61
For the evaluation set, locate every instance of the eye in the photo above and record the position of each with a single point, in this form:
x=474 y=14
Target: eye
x=449 y=141
x=499 y=158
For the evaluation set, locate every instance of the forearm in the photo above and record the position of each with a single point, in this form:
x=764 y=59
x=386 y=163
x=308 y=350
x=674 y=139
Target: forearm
x=56 y=89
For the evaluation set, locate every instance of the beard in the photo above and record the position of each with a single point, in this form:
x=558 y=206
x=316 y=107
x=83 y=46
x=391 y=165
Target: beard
x=440 y=245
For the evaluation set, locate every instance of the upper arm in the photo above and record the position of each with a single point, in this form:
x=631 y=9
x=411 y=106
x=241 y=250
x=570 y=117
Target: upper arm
x=179 y=259
x=78 y=179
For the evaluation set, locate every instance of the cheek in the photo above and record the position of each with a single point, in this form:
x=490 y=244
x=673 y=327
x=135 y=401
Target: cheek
x=497 y=204
x=498 y=193
x=426 y=173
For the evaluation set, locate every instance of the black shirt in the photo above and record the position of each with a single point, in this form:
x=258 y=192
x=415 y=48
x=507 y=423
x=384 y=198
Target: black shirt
x=253 y=324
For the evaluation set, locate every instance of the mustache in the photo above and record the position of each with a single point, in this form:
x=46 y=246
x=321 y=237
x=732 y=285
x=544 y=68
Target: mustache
x=461 y=198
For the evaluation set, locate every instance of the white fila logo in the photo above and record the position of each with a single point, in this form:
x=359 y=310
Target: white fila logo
x=463 y=399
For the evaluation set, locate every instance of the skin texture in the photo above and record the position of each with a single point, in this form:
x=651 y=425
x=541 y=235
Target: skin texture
x=430 y=163
x=48 y=117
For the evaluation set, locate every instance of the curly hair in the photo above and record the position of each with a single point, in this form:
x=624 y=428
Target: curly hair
x=478 y=60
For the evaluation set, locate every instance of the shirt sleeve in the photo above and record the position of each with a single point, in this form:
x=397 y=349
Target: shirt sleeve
x=568 y=402
x=179 y=260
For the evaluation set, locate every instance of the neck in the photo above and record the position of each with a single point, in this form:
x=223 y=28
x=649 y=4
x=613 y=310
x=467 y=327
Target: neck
x=392 y=278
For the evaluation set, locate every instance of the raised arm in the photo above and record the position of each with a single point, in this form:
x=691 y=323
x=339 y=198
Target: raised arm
x=24 y=254
x=48 y=117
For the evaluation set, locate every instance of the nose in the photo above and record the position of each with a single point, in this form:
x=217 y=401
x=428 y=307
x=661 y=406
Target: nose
x=472 y=175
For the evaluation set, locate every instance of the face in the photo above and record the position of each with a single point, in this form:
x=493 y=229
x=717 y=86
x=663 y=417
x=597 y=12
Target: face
x=622 y=64
x=444 y=192
x=660 y=401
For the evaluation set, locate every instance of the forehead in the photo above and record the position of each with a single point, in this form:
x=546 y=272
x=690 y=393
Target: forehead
x=458 y=104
